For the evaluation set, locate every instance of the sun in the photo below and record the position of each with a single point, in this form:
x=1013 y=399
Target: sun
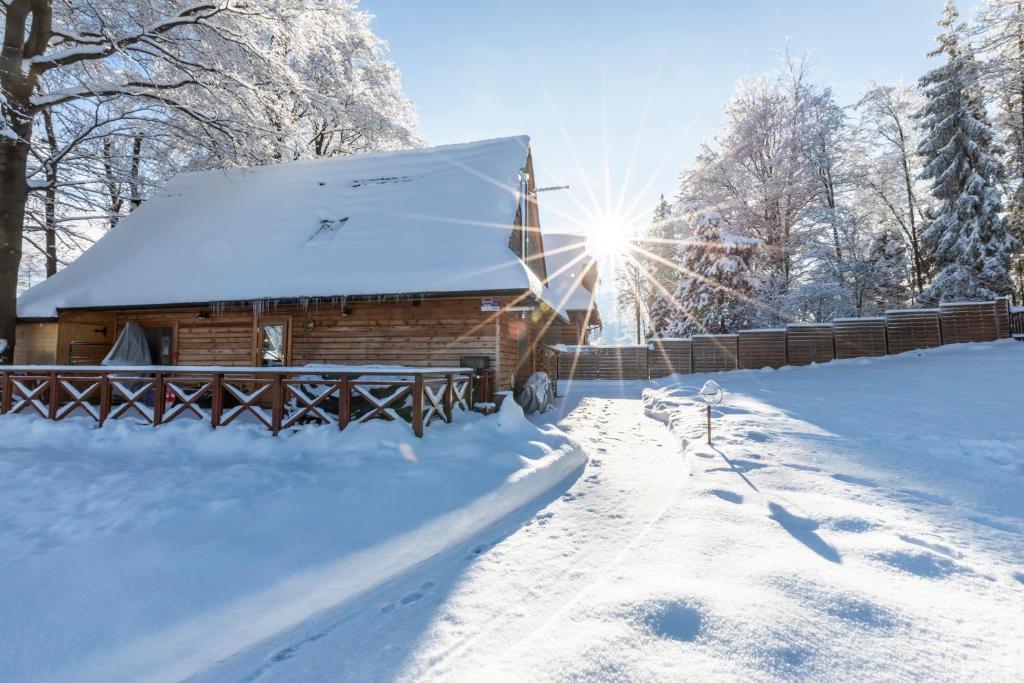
x=608 y=239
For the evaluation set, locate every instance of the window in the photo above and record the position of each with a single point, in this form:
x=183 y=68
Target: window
x=272 y=340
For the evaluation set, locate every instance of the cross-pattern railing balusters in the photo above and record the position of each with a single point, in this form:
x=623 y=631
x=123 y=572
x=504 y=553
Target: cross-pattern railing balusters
x=276 y=398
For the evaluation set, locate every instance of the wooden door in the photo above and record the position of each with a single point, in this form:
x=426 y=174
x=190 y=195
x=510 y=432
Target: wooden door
x=84 y=338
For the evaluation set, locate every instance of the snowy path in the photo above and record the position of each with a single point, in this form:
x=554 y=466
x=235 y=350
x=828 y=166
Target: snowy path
x=489 y=607
x=834 y=532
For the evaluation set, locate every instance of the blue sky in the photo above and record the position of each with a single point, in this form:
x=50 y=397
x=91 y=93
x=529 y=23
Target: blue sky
x=617 y=96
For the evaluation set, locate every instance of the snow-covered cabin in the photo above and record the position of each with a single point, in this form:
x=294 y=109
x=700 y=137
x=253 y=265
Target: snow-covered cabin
x=418 y=257
x=572 y=281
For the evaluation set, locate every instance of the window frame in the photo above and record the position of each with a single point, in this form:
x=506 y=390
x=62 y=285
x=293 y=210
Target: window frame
x=257 y=339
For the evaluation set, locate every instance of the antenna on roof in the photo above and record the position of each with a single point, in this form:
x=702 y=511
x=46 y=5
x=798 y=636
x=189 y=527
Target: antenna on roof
x=551 y=188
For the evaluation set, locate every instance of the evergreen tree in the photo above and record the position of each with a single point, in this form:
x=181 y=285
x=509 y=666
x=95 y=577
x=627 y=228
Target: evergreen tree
x=968 y=241
x=662 y=259
x=888 y=272
x=714 y=293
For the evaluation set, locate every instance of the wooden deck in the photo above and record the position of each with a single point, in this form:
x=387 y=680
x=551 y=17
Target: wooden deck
x=277 y=398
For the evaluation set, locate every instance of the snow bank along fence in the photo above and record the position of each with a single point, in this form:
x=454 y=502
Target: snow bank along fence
x=278 y=398
x=798 y=344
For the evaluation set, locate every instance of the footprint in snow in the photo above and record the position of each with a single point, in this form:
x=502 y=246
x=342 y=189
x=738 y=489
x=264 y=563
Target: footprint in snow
x=569 y=497
x=479 y=550
x=595 y=462
x=409 y=599
x=851 y=525
x=680 y=620
x=923 y=564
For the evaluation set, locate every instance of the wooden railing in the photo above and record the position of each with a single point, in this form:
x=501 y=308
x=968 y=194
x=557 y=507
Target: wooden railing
x=277 y=398
x=1017 y=324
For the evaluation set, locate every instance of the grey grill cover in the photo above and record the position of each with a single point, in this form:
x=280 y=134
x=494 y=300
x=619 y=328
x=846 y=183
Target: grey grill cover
x=131 y=348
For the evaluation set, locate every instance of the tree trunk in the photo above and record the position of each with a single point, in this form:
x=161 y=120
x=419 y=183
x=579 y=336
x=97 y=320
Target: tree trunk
x=50 y=198
x=134 y=184
x=13 y=162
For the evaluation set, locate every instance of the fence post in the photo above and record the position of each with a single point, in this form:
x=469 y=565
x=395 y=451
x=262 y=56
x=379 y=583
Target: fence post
x=159 y=398
x=105 y=399
x=52 y=395
x=449 y=397
x=417 y=406
x=217 y=399
x=344 y=401
x=277 y=397
x=5 y=392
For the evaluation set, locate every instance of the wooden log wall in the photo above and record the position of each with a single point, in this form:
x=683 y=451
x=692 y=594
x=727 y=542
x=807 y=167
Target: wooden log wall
x=669 y=356
x=809 y=343
x=761 y=348
x=416 y=333
x=858 y=337
x=714 y=352
x=913 y=329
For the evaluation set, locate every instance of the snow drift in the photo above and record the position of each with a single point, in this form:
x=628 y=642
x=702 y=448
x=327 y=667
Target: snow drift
x=128 y=553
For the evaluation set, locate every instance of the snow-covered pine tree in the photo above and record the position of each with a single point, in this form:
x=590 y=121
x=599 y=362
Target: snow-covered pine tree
x=888 y=272
x=968 y=241
x=661 y=254
x=714 y=294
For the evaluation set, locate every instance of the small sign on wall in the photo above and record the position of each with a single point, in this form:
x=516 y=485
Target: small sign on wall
x=491 y=304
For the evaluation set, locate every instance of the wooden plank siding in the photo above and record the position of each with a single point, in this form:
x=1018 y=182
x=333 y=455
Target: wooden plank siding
x=35 y=343
x=761 y=349
x=714 y=352
x=428 y=332
x=913 y=329
x=857 y=337
x=809 y=343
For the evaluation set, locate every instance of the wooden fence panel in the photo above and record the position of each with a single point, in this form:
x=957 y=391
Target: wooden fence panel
x=1002 y=307
x=968 y=322
x=857 y=337
x=761 y=348
x=578 y=362
x=911 y=329
x=714 y=352
x=809 y=343
x=669 y=356
x=622 y=362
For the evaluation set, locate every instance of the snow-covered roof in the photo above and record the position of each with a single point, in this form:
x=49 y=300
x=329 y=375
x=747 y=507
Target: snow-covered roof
x=422 y=221
x=567 y=262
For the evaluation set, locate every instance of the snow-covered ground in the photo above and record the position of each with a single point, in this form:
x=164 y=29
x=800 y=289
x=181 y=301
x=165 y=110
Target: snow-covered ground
x=861 y=519
x=132 y=553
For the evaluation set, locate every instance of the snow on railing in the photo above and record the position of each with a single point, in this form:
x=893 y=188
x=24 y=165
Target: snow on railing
x=278 y=398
